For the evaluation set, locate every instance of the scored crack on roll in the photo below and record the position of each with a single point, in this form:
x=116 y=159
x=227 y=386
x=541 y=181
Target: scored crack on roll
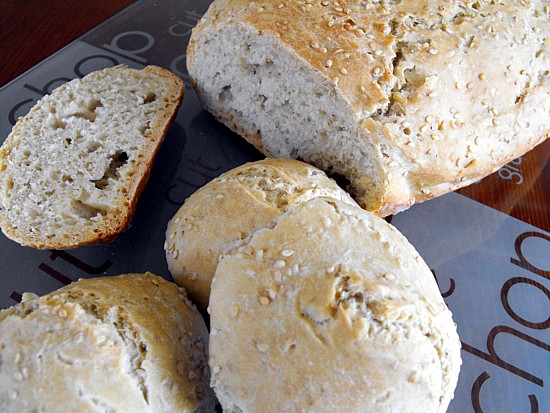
x=231 y=207
x=330 y=309
x=129 y=343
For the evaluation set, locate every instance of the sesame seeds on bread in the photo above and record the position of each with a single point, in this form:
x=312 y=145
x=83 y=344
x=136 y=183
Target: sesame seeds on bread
x=72 y=170
x=128 y=343
x=330 y=309
x=406 y=100
x=231 y=207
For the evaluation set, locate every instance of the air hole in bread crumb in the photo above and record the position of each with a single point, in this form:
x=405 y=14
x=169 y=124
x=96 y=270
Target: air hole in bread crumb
x=145 y=129
x=118 y=159
x=85 y=211
x=151 y=97
x=225 y=94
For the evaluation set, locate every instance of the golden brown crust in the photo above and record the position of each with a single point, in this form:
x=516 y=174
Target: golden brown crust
x=334 y=301
x=446 y=91
x=243 y=199
x=125 y=343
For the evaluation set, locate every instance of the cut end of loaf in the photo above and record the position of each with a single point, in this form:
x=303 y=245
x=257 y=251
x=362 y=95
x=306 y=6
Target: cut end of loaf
x=407 y=101
x=274 y=99
x=72 y=170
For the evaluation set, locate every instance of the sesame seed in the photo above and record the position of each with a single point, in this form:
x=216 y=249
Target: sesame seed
x=376 y=71
x=314 y=44
x=481 y=76
x=339 y=9
x=470 y=85
x=429 y=119
x=280 y=6
x=287 y=253
x=362 y=88
x=279 y=264
x=235 y=311
x=331 y=23
x=264 y=300
x=176 y=253
x=344 y=71
x=432 y=51
x=324 y=3
x=323 y=50
x=329 y=63
x=216 y=369
x=262 y=347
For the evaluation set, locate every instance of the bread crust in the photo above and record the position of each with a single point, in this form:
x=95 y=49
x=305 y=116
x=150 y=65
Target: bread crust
x=100 y=209
x=441 y=93
x=126 y=343
x=244 y=199
x=330 y=309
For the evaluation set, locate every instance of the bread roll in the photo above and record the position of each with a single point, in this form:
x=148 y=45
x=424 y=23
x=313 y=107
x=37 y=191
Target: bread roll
x=230 y=208
x=132 y=343
x=330 y=309
x=406 y=99
x=72 y=170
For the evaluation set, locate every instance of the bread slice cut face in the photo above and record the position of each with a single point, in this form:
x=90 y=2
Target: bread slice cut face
x=72 y=169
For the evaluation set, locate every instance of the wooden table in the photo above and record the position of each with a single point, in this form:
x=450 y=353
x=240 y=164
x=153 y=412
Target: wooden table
x=32 y=30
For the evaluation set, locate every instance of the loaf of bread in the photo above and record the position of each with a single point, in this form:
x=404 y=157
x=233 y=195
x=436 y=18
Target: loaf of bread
x=231 y=207
x=407 y=100
x=72 y=170
x=330 y=309
x=131 y=343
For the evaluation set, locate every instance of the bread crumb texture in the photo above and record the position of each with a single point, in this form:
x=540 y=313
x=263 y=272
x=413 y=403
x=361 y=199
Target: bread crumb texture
x=407 y=100
x=330 y=309
x=245 y=199
x=131 y=343
x=72 y=169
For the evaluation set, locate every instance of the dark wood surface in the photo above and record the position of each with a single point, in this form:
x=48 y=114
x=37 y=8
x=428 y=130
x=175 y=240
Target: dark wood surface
x=32 y=30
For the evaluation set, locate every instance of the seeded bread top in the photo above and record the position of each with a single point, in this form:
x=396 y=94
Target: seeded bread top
x=437 y=94
x=330 y=309
x=231 y=207
x=130 y=343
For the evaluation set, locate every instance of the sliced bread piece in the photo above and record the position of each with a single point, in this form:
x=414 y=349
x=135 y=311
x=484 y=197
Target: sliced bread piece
x=72 y=170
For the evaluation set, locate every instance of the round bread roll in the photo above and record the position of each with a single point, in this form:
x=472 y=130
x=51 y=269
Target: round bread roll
x=243 y=199
x=131 y=343
x=330 y=309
